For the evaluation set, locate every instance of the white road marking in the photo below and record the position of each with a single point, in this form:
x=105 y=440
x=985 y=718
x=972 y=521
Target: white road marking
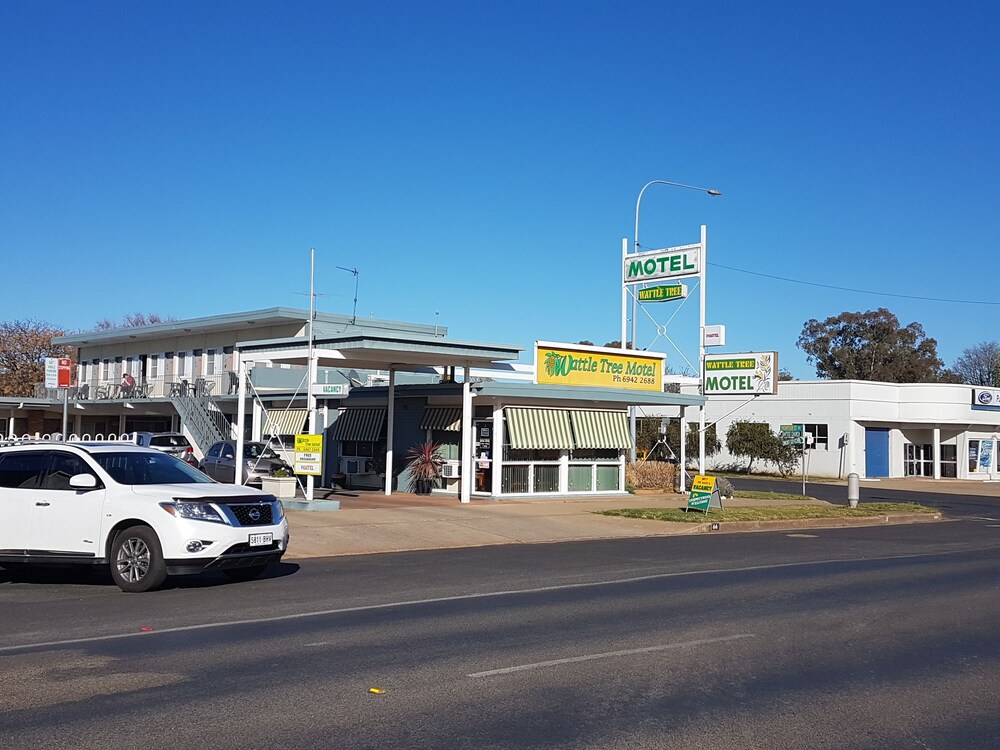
x=482 y=595
x=608 y=655
x=802 y=536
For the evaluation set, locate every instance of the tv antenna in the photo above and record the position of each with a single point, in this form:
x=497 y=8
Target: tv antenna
x=354 y=312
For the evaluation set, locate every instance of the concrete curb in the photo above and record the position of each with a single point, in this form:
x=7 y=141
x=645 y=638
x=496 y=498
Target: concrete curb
x=819 y=523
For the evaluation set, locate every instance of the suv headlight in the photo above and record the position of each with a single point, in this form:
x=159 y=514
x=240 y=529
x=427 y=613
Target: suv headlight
x=194 y=511
x=279 y=511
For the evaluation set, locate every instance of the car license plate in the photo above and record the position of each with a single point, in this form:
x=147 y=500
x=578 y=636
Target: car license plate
x=258 y=540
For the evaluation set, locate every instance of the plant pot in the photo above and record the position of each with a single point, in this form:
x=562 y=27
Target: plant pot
x=281 y=487
x=423 y=486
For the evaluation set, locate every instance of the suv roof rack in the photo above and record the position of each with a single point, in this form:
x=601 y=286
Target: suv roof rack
x=124 y=438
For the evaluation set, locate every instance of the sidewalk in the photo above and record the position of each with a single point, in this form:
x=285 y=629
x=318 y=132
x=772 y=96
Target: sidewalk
x=371 y=522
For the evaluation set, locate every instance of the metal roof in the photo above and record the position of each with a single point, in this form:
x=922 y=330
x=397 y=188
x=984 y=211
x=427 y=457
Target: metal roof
x=382 y=351
x=327 y=323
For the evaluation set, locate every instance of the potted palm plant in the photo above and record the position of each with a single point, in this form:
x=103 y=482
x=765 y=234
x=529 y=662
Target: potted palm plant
x=424 y=463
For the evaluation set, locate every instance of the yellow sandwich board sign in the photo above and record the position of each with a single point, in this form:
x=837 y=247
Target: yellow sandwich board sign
x=704 y=494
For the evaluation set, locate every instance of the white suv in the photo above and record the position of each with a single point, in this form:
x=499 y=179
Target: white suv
x=140 y=511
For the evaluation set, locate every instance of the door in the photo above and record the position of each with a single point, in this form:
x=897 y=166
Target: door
x=65 y=521
x=876 y=452
x=211 y=461
x=20 y=475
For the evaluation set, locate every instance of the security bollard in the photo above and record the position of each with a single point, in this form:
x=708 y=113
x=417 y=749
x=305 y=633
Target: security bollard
x=853 y=489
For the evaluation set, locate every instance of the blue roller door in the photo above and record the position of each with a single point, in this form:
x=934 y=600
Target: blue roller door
x=876 y=452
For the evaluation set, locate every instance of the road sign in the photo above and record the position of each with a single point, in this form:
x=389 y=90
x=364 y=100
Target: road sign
x=58 y=372
x=792 y=434
x=309 y=454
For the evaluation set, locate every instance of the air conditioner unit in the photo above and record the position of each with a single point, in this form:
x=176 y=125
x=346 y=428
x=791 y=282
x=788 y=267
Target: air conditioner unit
x=355 y=465
x=451 y=471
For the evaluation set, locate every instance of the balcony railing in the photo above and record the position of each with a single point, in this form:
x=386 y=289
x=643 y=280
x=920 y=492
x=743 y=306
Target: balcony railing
x=159 y=387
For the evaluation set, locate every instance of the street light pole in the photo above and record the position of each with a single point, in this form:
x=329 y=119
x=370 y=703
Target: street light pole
x=635 y=303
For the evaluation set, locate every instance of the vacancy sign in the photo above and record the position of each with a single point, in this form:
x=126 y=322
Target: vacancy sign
x=750 y=374
x=58 y=372
x=309 y=454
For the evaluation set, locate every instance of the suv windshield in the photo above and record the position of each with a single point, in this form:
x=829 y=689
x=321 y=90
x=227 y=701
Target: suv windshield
x=130 y=467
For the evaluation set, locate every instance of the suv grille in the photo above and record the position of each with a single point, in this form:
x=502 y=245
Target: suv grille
x=253 y=515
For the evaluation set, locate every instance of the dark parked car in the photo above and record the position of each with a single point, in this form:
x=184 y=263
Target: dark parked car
x=258 y=461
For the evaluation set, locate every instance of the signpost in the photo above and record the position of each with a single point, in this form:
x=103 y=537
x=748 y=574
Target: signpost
x=59 y=374
x=795 y=434
x=309 y=455
x=704 y=494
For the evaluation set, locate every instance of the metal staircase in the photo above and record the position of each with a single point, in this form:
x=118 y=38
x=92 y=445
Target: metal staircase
x=202 y=421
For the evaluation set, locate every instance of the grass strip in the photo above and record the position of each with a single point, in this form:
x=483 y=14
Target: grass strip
x=791 y=512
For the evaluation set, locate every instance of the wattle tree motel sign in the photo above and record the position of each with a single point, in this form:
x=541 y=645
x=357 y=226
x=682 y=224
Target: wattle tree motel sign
x=597 y=367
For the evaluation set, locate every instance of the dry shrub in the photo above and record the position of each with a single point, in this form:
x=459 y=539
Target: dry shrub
x=652 y=475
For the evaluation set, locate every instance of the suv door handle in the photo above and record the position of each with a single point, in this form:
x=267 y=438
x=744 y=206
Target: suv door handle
x=42 y=503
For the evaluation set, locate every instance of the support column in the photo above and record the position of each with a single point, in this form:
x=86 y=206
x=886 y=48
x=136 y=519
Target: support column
x=937 y=452
x=465 y=482
x=241 y=417
x=682 y=480
x=496 y=457
x=390 y=417
x=701 y=345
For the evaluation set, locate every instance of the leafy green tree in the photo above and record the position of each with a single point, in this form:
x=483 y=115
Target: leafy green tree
x=979 y=365
x=871 y=346
x=754 y=441
x=785 y=374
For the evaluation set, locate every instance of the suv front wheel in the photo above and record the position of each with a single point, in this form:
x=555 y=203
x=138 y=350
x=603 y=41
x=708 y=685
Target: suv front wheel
x=136 y=560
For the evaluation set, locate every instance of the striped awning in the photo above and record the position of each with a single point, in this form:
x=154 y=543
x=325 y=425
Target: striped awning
x=359 y=424
x=600 y=429
x=538 y=428
x=445 y=418
x=285 y=421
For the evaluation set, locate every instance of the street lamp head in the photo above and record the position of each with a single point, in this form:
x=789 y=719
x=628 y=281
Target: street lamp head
x=714 y=192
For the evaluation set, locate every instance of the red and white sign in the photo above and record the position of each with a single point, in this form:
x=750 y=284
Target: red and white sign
x=58 y=372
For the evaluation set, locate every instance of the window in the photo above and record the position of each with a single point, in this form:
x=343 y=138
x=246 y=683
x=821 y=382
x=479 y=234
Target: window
x=949 y=461
x=820 y=433
x=62 y=468
x=23 y=469
x=154 y=366
x=918 y=460
x=213 y=361
x=215 y=450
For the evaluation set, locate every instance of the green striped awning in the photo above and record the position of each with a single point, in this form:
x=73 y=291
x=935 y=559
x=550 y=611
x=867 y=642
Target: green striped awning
x=286 y=421
x=538 y=428
x=359 y=424
x=445 y=418
x=600 y=429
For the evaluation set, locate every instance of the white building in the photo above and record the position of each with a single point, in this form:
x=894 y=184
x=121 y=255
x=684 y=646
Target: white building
x=875 y=429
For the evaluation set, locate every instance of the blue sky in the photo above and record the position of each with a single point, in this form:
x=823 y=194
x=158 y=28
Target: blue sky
x=479 y=163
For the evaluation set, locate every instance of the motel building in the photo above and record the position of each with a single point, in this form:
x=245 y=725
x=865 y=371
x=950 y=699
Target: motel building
x=375 y=389
x=876 y=430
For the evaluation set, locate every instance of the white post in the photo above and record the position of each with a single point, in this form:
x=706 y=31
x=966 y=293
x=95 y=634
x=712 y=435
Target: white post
x=310 y=396
x=390 y=424
x=311 y=402
x=496 y=454
x=241 y=418
x=684 y=428
x=624 y=292
x=65 y=420
x=465 y=482
x=702 y=273
x=937 y=452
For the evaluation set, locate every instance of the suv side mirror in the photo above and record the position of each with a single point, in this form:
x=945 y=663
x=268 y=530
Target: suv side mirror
x=83 y=482
x=227 y=454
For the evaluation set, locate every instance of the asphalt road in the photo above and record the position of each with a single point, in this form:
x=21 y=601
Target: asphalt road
x=869 y=637
x=953 y=505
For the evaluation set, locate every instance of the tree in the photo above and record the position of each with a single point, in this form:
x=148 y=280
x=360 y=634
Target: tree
x=24 y=345
x=871 y=346
x=755 y=441
x=132 y=320
x=785 y=374
x=979 y=365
